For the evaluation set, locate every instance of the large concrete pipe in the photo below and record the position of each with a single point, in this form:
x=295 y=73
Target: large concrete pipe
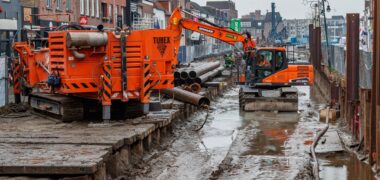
x=186 y=96
x=202 y=70
x=79 y=39
x=209 y=75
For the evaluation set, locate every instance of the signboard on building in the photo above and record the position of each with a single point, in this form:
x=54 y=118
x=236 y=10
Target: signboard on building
x=83 y=20
x=27 y=15
x=235 y=25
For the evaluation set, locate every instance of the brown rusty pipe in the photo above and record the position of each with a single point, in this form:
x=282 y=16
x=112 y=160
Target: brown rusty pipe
x=186 y=96
x=195 y=73
x=209 y=75
x=80 y=39
x=195 y=87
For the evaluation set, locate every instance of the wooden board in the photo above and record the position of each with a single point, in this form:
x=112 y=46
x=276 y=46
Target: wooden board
x=51 y=158
x=332 y=143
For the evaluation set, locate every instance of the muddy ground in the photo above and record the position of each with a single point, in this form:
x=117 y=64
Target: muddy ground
x=247 y=145
x=237 y=145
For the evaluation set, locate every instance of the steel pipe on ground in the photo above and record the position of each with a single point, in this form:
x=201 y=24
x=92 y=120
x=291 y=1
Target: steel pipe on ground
x=209 y=75
x=195 y=73
x=177 y=75
x=215 y=84
x=186 y=96
x=184 y=75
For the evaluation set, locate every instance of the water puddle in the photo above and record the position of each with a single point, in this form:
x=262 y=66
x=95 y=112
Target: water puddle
x=342 y=166
x=274 y=130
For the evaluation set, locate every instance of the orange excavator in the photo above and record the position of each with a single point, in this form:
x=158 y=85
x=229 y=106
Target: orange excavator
x=269 y=75
x=80 y=71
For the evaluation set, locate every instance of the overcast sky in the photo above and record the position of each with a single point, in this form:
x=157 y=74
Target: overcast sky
x=291 y=9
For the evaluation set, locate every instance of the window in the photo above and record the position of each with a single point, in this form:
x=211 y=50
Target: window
x=48 y=3
x=97 y=8
x=93 y=8
x=110 y=13
x=68 y=5
x=104 y=11
x=81 y=7
x=59 y=2
x=279 y=60
x=87 y=7
x=122 y=14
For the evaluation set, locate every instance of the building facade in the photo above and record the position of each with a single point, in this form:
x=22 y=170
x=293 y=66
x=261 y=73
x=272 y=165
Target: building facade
x=225 y=6
x=10 y=22
x=53 y=13
x=298 y=28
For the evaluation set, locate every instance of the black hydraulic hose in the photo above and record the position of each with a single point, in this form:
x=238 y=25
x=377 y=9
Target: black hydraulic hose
x=314 y=145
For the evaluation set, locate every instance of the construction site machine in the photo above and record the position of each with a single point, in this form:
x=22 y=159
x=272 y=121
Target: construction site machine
x=270 y=78
x=105 y=72
x=265 y=86
x=81 y=71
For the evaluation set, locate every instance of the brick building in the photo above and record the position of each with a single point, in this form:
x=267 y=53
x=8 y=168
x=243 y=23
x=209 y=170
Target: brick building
x=10 y=22
x=225 y=6
x=53 y=13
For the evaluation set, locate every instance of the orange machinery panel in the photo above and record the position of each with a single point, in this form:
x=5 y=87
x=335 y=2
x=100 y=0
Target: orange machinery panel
x=151 y=56
x=293 y=72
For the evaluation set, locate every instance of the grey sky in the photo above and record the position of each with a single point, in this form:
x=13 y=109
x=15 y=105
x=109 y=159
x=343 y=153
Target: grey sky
x=291 y=9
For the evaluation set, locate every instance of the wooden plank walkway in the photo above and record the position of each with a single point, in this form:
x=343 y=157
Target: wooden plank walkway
x=51 y=159
x=51 y=148
x=329 y=142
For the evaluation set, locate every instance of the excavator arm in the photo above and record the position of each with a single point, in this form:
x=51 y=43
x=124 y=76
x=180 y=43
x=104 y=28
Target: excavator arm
x=177 y=23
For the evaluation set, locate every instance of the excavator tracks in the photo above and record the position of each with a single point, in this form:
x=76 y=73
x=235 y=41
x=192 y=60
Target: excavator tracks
x=65 y=108
x=281 y=99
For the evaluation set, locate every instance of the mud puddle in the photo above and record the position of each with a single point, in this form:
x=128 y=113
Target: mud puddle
x=344 y=166
x=274 y=130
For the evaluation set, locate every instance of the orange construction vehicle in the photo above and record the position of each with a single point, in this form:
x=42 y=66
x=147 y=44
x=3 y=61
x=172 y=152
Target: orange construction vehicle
x=269 y=75
x=80 y=68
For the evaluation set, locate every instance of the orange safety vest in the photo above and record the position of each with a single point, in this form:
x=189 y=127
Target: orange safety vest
x=249 y=44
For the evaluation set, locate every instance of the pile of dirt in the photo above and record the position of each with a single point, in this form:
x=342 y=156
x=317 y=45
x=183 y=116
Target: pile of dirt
x=13 y=109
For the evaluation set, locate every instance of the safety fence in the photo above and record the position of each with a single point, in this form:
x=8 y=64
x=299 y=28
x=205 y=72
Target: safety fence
x=190 y=53
x=336 y=55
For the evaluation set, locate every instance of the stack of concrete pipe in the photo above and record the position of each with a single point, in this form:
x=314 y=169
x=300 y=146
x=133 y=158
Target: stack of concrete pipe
x=198 y=74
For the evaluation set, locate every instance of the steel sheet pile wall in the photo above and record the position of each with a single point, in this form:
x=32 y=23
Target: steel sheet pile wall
x=375 y=101
x=352 y=72
x=358 y=81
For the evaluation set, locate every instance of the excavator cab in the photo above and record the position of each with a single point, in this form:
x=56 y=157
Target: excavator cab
x=266 y=62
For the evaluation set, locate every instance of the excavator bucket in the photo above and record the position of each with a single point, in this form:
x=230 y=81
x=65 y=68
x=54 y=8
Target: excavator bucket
x=281 y=100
